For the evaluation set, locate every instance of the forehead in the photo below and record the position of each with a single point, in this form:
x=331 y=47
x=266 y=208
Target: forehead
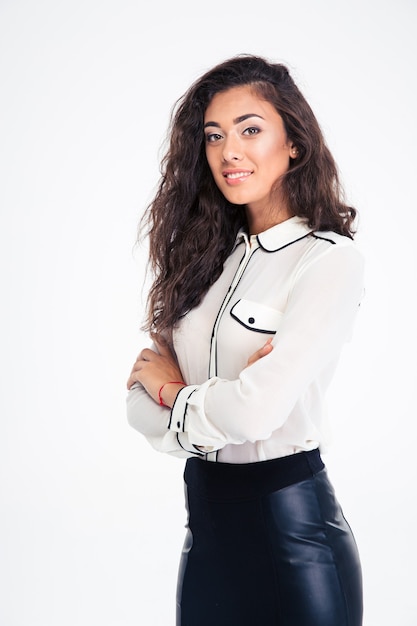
x=238 y=101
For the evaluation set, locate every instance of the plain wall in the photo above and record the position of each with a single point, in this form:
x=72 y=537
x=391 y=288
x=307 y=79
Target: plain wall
x=91 y=518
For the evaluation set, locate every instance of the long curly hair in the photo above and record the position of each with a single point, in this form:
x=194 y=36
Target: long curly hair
x=191 y=226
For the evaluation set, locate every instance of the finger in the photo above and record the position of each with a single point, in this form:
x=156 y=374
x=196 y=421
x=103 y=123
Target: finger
x=267 y=347
x=263 y=351
x=131 y=381
x=146 y=355
x=138 y=365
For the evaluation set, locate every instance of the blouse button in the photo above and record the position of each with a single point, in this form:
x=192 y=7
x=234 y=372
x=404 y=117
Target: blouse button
x=251 y=320
x=178 y=424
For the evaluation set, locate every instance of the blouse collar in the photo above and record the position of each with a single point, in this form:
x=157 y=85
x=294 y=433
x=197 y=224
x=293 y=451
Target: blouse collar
x=280 y=235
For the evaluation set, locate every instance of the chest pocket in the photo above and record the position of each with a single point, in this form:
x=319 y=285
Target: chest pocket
x=257 y=317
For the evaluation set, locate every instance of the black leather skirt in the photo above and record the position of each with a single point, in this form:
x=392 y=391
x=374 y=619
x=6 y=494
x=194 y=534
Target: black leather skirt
x=267 y=545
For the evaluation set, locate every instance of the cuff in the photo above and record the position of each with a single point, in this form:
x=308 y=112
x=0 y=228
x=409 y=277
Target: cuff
x=179 y=409
x=183 y=442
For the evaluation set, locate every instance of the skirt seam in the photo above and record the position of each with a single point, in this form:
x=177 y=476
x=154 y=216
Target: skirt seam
x=335 y=561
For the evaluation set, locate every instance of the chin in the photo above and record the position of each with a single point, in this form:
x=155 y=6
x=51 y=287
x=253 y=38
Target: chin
x=237 y=198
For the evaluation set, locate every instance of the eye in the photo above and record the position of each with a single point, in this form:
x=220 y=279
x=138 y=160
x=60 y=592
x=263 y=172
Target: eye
x=213 y=137
x=252 y=130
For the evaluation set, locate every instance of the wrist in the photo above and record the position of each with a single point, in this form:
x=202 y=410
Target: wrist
x=168 y=392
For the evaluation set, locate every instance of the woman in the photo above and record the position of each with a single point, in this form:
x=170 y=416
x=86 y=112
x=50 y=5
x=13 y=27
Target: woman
x=257 y=283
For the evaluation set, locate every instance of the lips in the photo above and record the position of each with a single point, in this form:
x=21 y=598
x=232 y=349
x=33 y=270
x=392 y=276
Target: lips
x=236 y=175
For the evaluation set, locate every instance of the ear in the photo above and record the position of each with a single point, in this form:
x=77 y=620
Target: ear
x=293 y=151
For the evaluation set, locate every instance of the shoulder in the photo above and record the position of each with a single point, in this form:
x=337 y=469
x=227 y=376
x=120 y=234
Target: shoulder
x=330 y=253
x=333 y=238
x=329 y=241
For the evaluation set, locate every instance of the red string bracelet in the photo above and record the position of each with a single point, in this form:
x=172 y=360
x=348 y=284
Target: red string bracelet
x=170 y=382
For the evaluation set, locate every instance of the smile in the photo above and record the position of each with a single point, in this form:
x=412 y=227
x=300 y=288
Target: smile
x=236 y=175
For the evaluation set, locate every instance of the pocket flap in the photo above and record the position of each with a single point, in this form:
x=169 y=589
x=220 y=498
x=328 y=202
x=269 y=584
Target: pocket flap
x=255 y=316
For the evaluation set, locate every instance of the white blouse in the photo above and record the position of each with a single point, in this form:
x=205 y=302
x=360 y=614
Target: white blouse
x=303 y=288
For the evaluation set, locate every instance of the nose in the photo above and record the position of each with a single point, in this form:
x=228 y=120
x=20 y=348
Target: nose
x=232 y=149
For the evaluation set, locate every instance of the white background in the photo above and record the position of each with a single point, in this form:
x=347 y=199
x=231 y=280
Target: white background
x=91 y=518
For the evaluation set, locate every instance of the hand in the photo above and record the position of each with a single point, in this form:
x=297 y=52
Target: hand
x=153 y=369
x=266 y=349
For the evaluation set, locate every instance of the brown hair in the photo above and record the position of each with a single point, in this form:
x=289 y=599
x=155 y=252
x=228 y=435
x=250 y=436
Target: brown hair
x=191 y=226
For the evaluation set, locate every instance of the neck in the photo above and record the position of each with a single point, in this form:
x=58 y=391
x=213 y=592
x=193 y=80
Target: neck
x=260 y=221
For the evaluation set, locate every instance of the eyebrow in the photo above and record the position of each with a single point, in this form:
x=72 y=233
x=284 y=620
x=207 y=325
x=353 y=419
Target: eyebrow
x=237 y=120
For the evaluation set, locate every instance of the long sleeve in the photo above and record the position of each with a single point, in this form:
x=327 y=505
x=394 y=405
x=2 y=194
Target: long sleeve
x=151 y=420
x=321 y=307
x=298 y=287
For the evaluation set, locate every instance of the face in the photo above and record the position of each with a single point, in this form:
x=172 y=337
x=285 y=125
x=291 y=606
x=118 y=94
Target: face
x=247 y=148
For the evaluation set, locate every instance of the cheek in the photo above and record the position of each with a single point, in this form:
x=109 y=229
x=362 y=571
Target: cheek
x=276 y=150
x=211 y=162
x=262 y=153
x=278 y=161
